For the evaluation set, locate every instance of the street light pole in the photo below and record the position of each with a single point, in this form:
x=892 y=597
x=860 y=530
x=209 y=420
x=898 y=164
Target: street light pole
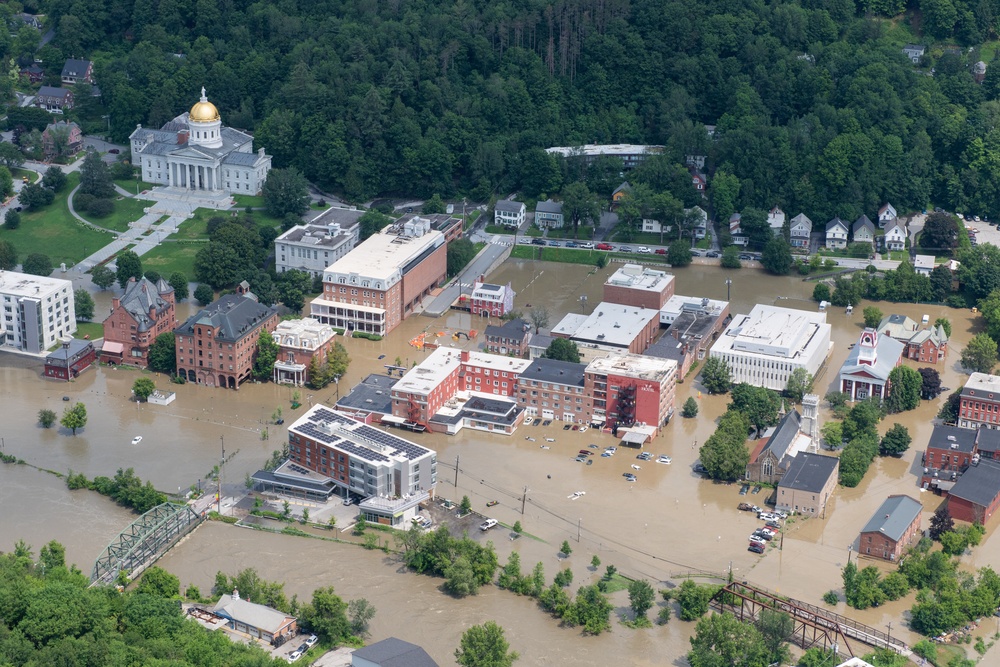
x=729 y=284
x=222 y=463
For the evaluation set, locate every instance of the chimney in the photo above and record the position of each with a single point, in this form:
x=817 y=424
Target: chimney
x=115 y=302
x=182 y=136
x=152 y=312
x=465 y=355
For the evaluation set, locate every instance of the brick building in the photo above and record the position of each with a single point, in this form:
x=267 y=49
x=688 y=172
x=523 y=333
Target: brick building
x=510 y=338
x=808 y=484
x=300 y=341
x=980 y=402
x=217 y=346
x=976 y=494
x=951 y=451
x=893 y=527
x=489 y=300
x=54 y=99
x=379 y=283
x=138 y=316
x=630 y=389
x=553 y=389
x=639 y=286
x=71 y=359
x=610 y=328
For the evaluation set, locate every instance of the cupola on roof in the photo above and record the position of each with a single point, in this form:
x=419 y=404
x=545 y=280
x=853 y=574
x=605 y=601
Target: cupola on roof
x=204 y=111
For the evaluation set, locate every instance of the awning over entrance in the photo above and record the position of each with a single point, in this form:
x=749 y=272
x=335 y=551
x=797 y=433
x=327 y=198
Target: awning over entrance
x=392 y=419
x=635 y=438
x=113 y=348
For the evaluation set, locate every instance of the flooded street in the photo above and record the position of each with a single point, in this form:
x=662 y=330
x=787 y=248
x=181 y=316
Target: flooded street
x=668 y=523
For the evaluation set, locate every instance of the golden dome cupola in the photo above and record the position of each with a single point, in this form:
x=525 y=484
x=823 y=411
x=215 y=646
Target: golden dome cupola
x=204 y=111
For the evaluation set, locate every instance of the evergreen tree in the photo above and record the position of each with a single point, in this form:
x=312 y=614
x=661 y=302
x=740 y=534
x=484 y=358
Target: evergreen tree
x=95 y=177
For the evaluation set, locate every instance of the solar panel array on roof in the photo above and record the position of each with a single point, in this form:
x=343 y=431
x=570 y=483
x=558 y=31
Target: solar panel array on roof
x=330 y=416
x=361 y=452
x=402 y=447
x=316 y=434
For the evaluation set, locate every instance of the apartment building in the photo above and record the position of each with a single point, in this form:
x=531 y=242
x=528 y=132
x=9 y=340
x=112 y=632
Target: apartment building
x=553 y=389
x=313 y=247
x=37 y=312
x=980 y=402
x=300 y=343
x=378 y=284
x=629 y=389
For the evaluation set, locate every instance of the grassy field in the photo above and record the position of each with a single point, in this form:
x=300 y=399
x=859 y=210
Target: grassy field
x=585 y=232
x=253 y=201
x=53 y=231
x=566 y=255
x=171 y=256
x=18 y=173
x=128 y=185
x=92 y=329
x=126 y=210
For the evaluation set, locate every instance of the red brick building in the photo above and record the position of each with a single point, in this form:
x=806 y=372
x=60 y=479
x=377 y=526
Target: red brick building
x=218 y=345
x=643 y=287
x=553 y=389
x=894 y=526
x=137 y=317
x=378 y=284
x=489 y=300
x=630 y=389
x=980 y=402
x=976 y=494
x=71 y=359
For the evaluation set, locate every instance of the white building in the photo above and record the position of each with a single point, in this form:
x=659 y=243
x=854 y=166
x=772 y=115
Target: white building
x=923 y=264
x=37 y=311
x=611 y=327
x=776 y=220
x=509 y=213
x=300 y=341
x=195 y=152
x=630 y=154
x=312 y=248
x=764 y=347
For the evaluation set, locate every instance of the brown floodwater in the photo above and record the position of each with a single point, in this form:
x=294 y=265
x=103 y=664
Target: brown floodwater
x=668 y=523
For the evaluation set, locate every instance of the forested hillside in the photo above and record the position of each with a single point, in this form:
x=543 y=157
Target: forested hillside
x=816 y=107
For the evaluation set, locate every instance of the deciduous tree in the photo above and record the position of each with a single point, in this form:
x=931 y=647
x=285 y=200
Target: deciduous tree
x=142 y=388
x=129 y=266
x=485 y=646
x=267 y=354
x=102 y=276
x=896 y=441
x=690 y=408
x=640 y=596
x=285 y=191
x=163 y=353
x=872 y=315
x=74 y=417
x=777 y=256
x=95 y=177
x=679 y=253
x=562 y=349
x=721 y=639
x=37 y=264
x=8 y=255
x=980 y=355
x=179 y=284
x=930 y=383
x=904 y=389
x=83 y=304
x=715 y=375
x=800 y=383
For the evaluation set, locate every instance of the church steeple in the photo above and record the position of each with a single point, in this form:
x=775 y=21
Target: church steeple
x=867 y=348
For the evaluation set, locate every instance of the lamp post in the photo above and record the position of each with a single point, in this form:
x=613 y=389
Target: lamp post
x=583 y=303
x=729 y=284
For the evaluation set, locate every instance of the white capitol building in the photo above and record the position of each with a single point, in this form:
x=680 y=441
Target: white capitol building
x=195 y=152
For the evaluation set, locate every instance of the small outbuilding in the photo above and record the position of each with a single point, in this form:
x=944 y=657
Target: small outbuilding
x=71 y=359
x=256 y=620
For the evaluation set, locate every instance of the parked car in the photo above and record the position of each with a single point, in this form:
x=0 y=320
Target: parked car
x=629 y=477
x=312 y=641
x=756 y=489
x=587 y=246
x=486 y=525
x=756 y=548
x=114 y=151
x=493 y=503
x=604 y=246
x=744 y=489
x=660 y=251
x=294 y=655
x=773 y=524
x=744 y=507
x=712 y=253
x=554 y=244
x=624 y=248
x=537 y=241
x=644 y=250
x=663 y=459
x=571 y=244
x=645 y=456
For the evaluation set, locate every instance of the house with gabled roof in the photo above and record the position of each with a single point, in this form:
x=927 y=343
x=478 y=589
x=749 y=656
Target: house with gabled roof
x=800 y=231
x=772 y=456
x=886 y=214
x=863 y=230
x=391 y=652
x=508 y=213
x=895 y=236
x=620 y=193
x=549 y=213
x=928 y=345
x=736 y=235
x=894 y=526
x=256 y=620
x=77 y=71
x=976 y=494
x=914 y=52
x=836 y=234
x=54 y=99
x=776 y=220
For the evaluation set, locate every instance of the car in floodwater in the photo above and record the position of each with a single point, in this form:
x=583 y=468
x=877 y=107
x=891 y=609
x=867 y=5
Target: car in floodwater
x=486 y=525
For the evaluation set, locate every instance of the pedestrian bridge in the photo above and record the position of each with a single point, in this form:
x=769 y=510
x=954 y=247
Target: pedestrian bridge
x=143 y=542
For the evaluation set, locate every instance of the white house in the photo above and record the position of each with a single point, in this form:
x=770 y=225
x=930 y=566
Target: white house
x=895 y=236
x=509 y=213
x=735 y=233
x=776 y=220
x=886 y=214
x=864 y=230
x=801 y=229
x=923 y=264
x=700 y=218
x=836 y=234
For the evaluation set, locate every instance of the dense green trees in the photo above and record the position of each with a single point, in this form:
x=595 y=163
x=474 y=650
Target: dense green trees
x=562 y=349
x=83 y=304
x=8 y=255
x=760 y=405
x=725 y=454
x=980 y=355
x=460 y=253
x=716 y=376
x=800 y=383
x=285 y=191
x=722 y=639
x=896 y=441
x=102 y=276
x=143 y=388
x=128 y=266
x=905 y=385
x=37 y=264
x=777 y=256
x=485 y=646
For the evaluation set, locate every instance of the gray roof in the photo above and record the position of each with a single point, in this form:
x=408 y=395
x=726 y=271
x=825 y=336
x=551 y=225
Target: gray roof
x=988 y=440
x=801 y=219
x=508 y=206
x=893 y=517
x=53 y=91
x=164 y=141
x=623 y=187
x=914 y=47
x=242 y=159
x=373 y=394
x=809 y=472
x=142 y=295
x=345 y=217
x=548 y=206
x=394 y=652
x=897 y=326
x=887 y=353
x=318 y=235
x=961 y=440
x=558 y=372
x=541 y=341
x=980 y=484
x=513 y=329
x=863 y=222
x=74 y=347
x=834 y=223
x=235 y=315
x=783 y=436
x=251 y=613
x=74 y=67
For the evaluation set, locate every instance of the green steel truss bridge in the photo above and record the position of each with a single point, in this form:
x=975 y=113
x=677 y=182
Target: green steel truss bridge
x=143 y=542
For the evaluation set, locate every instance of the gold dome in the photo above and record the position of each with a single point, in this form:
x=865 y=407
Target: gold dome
x=204 y=111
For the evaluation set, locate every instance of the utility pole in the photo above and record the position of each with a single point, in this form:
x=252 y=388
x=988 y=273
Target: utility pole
x=579 y=523
x=222 y=463
x=456 y=472
x=523 y=499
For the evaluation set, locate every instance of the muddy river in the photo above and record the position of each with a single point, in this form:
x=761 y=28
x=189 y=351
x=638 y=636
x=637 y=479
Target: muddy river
x=667 y=524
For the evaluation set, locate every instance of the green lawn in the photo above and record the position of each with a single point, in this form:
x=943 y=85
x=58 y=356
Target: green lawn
x=129 y=185
x=33 y=176
x=171 y=256
x=93 y=329
x=53 y=231
x=899 y=255
x=566 y=255
x=585 y=232
x=126 y=210
x=253 y=201
x=646 y=238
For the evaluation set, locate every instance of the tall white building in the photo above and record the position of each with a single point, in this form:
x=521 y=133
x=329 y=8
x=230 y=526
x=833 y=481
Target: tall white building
x=764 y=347
x=195 y=152
x=37 y=311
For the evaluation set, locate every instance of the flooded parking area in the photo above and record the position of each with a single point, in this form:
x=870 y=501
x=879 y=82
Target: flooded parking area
x=667 y=523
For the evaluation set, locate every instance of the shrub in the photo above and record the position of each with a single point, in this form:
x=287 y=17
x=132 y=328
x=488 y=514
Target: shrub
x=831 y=598
x=101 y=208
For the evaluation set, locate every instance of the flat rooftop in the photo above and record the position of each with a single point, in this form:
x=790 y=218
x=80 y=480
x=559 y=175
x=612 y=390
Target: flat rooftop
x=432 y=371
x=319 y=236
x=604 y=149
x=356 y=438
x=611 y=324
x=497 y=362
x=25 y=284
x=383 y=256
x=373 y=394
x=785 y=333
x=637 y=277
x=984 y=383
x=635 y=366
x=345 y=217
x=679 y=303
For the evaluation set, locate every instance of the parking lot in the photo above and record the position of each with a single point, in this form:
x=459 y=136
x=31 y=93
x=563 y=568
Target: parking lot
x=983 y=232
